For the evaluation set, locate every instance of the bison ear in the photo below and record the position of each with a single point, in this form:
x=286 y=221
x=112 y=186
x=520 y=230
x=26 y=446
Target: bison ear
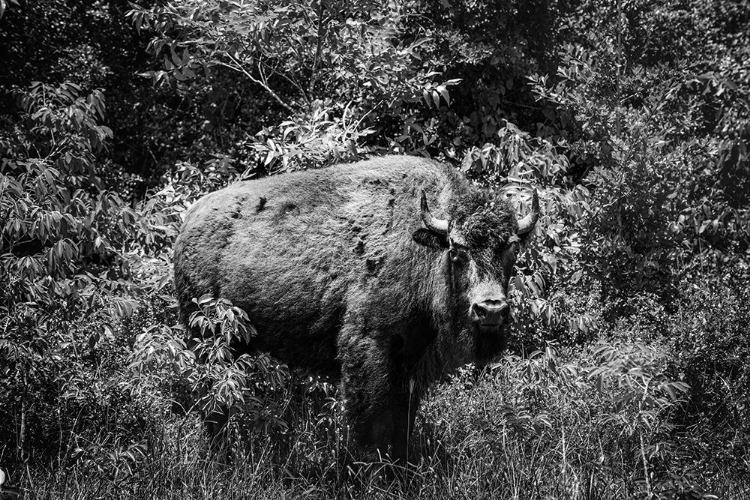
x=429 y=239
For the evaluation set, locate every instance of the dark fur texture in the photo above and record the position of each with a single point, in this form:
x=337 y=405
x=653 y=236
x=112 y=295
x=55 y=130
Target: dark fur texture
x=339 y=276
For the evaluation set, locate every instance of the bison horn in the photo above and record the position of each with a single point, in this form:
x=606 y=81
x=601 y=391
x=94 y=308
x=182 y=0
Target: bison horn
x=439 y=226
x=526 y=224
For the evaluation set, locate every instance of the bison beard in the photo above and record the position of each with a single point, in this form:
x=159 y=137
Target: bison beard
x=387 y=274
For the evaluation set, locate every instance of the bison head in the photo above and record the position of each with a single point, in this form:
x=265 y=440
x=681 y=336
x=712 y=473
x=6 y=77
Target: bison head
x=480 y=248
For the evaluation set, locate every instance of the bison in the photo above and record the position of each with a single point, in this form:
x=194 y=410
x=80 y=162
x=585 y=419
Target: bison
x=386 y=274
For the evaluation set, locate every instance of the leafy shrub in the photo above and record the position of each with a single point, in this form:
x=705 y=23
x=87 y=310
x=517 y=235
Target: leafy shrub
x=288 y=52
x=220 y=380
x=656 y=144
x=71 y=250
x=58 y=227
x=710 y=338
x=597 y=420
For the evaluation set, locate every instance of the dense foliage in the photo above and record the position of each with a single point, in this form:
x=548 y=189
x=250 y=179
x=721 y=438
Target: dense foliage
x=631 y=120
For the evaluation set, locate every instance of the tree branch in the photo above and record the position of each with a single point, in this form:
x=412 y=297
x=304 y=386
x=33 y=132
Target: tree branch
x=238 y=67
x=318 y=49
x=296 y=85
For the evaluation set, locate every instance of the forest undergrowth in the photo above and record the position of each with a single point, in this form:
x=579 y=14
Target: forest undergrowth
x=628 y=368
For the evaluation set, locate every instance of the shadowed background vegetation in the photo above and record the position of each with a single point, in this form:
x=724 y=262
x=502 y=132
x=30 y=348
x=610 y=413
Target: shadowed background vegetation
x=629 y=368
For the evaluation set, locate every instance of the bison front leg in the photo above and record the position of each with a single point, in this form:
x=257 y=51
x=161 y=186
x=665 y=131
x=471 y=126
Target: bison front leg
x=366 y=381
x=379 y=406
x=405 y=411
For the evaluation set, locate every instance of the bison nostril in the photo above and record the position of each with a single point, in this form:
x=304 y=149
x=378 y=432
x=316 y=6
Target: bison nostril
x=479 y=311
x=505 y=312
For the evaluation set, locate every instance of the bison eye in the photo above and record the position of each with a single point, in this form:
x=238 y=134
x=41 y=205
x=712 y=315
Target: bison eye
x=457 y=256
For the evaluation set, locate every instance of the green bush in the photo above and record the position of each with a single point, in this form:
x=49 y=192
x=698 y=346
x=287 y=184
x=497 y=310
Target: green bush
x=637 y=145
x=70 y=249
x=710 y=341
x=589 y=425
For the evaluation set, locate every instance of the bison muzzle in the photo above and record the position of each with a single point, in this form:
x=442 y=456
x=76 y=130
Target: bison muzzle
x=387 y=274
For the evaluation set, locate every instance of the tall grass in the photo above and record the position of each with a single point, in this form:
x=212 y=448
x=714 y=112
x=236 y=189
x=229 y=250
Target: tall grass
x=589 y=424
